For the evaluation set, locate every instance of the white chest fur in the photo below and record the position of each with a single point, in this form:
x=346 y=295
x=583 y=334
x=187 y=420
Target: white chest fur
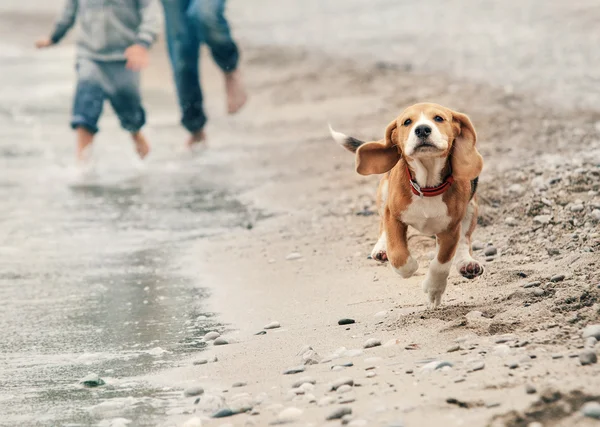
x=429 y=215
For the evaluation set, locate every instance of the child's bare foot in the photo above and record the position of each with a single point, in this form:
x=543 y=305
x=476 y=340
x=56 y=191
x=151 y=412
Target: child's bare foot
x=84 y=145
x=236 y=92
x=141 y=145
x=196 y=139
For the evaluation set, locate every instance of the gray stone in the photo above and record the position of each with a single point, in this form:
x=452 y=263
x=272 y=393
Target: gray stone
x=490 y=251
x=454 y=348
x=476 y=366
x=293 y=256
x=339 y=413
x=532 y=284
x=372 y=342
x=304 y=380
x=578 y=207
x=289 y=415
x=557 y=356
x=294 y=370
x=340 y=382
x=211 y=336
x=272 y=325
x=229 y=412
x=542 y=219
x=92 y=380
x=592 y=331
x=530 y=389
x=477 y=246
x=591 y=410
x=588 y=357
x=590 y=342
x=595 y=214
x=344 y=388
x=538 y=292
x=346 y=321
x=220 y=341
x=193 y=391
x=557 y=278
x=239 y=384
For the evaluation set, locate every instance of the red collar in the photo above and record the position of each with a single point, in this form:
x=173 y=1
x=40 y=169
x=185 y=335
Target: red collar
x=429 y=191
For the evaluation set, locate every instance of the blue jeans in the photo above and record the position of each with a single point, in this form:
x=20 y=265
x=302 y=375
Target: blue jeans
x=101 y=80
x=188 y=24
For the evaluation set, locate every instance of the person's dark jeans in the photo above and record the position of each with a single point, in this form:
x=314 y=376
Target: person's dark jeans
x=188 y=24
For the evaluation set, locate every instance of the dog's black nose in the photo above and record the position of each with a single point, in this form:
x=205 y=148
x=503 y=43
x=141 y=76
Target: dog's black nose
x=422 y=131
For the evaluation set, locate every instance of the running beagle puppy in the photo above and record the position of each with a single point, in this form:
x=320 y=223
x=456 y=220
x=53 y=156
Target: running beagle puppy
x=431 y=167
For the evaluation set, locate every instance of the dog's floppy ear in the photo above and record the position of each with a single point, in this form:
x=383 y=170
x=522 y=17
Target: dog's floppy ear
x=379 y=156
x=466 y=161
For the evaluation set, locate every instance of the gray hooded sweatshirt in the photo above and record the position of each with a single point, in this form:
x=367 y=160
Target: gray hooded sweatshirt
x=108 y=27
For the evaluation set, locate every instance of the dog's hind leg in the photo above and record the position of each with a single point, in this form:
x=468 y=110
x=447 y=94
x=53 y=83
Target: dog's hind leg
x=379 y=252
x=466 y=265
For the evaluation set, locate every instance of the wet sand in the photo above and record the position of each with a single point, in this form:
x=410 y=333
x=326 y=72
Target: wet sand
x=299 y=194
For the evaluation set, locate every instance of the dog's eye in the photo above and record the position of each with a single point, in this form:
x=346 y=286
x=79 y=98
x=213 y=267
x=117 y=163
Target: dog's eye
x=407 y=122
x=438 y=119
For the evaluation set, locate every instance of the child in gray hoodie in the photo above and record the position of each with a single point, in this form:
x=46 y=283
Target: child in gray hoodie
x=112 y=48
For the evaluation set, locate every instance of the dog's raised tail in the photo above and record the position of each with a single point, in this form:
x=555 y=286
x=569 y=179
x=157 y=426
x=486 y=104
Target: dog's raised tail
x=348 y=142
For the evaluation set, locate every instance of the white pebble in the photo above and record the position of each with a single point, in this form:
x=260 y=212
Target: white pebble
x=293 y=256
x=211 y=336
x=272 y=325
x=193 y=422
x=289 y=415
x=326 y=401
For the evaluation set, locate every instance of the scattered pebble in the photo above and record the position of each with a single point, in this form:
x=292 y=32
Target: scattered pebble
x=511 y=221
x=272 y=325
x=596 y=214
x=193 y=391
x=239 y=384
x=490 y=251
x=477 y=246
x=557 y=356
x=532 y=284
x=289 y=415
x=293 y=256
x=372 y=342
x=588 y=357
x=193 y=422
x=578 y=207
x=476 y=366
x=326 y=401
x=435 y=365
x=371 y=374
x=304 y=380
x=557 y=278
x=261 y=333
x=344 y=388
x=513 y=365
x=592 y=331
x=346 y=321
x=590 y=342
x=294 y=370
x=542 y=219
x=358 y=423
x=538 y=292
x=530 y=389
x=92 y=380
x=339 y=413
x=454 y=348
x=211 y=336
x=591 y=410
x=220 y=341
x=340 y=382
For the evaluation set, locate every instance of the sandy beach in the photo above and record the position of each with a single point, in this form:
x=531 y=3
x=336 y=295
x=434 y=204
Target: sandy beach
x=506 y=349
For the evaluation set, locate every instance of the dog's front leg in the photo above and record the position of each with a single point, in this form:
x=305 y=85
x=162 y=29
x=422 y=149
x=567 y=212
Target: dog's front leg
x=397 y=246
x=439 y=268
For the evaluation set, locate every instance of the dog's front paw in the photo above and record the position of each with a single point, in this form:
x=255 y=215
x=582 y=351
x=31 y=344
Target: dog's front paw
x=470 y=268
x=380 y=255
x=408 y=269
x=434 y=290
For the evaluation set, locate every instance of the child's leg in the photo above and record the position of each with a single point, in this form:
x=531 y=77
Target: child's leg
x=87 y=106
x=213 y=29
x=126 y=100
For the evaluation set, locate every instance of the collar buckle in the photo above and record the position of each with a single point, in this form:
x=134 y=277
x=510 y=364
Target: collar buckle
x=417 y=187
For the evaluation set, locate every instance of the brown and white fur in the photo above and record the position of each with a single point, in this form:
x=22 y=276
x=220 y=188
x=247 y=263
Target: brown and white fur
x=433 y=141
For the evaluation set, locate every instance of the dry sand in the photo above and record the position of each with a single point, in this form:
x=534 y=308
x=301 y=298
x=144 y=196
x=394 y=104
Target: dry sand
x=539 y=161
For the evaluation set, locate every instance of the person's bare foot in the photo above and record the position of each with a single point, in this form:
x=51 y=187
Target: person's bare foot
x=141 y=145
x=236 y=92
x=196 y=139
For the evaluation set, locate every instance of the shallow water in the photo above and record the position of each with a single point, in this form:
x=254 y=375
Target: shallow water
x=91 y=274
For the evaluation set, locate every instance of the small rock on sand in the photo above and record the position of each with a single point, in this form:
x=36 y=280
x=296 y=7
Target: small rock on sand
x=340 y=382
x=454 y=348
x=272 y=325
x=591 y=410
x=477 y=246
x=211 y=336
x=193 y=391
x=326 y=401
x=293 y=256
x=557 y=278
x=358 y=423
x=538 y=292
x=339 y=413
x=92 y=380
x=294 y=370
x=346 y=321
x=220 y=341
x=542 y=219
x=592 y=331
x=476 y=366
x=530 y=389
x=490 y=251
x=372 y=342
x=289 y=415
x=532 y=284
x=588 y=357
x=304 y=380
x=193 y=422
x=239 y=384
x=344 y=388
x=590 y=342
